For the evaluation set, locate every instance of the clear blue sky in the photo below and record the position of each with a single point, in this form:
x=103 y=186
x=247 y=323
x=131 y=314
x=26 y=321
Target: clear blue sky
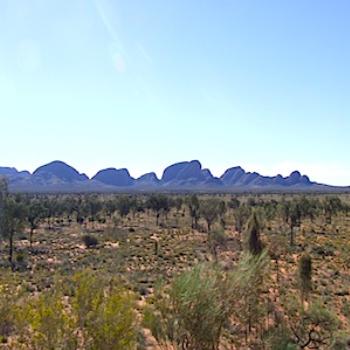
x=264 y=84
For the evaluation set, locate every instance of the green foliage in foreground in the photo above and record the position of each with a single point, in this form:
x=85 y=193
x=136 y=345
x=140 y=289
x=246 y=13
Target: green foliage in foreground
x=194 y=311
x=85 y=312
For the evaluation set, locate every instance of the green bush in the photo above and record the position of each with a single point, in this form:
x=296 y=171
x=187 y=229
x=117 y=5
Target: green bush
x=87 y=295
x=192 y=311
x=104 y=312
x=341 y=341
x=112 y=325
x=7 y=322
x=51 y=326
x=280 y=339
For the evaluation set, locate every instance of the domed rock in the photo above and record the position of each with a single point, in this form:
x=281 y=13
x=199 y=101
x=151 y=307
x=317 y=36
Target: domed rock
x=59 y=170
x=114 y=177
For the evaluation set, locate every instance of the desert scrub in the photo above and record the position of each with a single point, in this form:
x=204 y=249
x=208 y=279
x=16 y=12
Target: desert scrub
x=105 y=312
x=7 y=321
x=314 y=327
x=90 y=241
x=192 y=310
x=112 y=324
x=87 y=293
x=44 y=323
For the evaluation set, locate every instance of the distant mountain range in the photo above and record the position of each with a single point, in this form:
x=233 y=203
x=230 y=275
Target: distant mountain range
x=57 y=177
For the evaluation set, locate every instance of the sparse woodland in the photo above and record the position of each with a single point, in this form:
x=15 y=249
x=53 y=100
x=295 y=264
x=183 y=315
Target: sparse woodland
x=175 y=271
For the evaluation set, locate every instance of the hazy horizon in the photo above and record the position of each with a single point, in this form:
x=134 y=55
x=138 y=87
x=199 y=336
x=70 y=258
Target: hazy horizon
x=102 y=83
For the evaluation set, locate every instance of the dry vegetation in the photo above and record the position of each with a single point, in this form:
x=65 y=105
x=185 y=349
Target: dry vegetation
x=144 y=272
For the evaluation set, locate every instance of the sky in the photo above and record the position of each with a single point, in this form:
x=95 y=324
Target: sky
x=264 y=84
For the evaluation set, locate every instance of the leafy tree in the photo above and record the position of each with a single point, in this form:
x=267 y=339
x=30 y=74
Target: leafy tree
x=292 y=214
x=332 y=205
x=93 y=206
x=217 y=238
x=234 y=203
x=3 y=198
x=210 y=210
x=124 y=205
x=178 y=202
x=110 y=207
x=309 y=207
x=14 y=219
x=159 y=204
x=35 y=212
x=193 y=206
x=277 y=247
x=81 y=210
x=51 y=206
x=241 y=215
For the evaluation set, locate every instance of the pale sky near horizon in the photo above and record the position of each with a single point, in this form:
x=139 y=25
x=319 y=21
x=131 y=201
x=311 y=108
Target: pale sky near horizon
x=264 y=84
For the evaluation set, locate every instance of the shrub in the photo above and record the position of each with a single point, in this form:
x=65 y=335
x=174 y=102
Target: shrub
x=280 y=339
x=341 y=342
x=50 y=325
x=104 y=311
x=88 y=294
x=112 y=325
x=305 y=275
x=217 y=238
x=192 y=311
x=314 y=327
x=6 y=314
x=90 y=241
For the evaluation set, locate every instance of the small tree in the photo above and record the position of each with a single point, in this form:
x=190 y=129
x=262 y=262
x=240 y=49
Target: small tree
x=110 y=207
x=3 y=197
x=14 y=218
x=193 y=206
x=210 y=210
x=331 y=206
x=217 y=238
x=35 y=213
x=241 y=215
x=251 y=276
x=291 y=214
x=234 y=203
x=158 y=204
x=124 y=205
x=252 y=236
x=93 y=207
x=277 y=247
